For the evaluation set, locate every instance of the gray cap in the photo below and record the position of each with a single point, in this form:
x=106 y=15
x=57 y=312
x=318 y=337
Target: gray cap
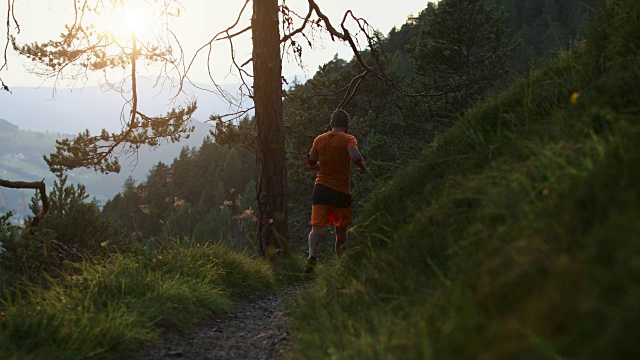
x=340 y=118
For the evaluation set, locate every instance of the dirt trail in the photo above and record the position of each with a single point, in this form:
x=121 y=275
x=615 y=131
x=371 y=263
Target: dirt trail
x=254 y=329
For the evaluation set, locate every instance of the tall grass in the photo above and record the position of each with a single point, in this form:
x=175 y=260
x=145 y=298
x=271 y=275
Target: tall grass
x=513 y=236
x=109 y=309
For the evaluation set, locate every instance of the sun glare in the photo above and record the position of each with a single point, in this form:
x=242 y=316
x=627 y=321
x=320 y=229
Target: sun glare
x=126 y=20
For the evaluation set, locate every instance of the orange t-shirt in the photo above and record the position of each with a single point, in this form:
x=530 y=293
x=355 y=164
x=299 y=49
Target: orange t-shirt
x=335 y=162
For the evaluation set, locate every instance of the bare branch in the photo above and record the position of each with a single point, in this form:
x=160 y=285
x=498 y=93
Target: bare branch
x=233 y=116
x=241 y=71
x=37 y=185
x=345 y=35
x=229 y=36
x=10 y=15
x=286 y=10
x=216 y=36
x=353 y=88
x=225 y=34
x=300 y=29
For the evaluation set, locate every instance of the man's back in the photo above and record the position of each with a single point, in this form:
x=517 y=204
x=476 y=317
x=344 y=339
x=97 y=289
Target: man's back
x=332 y=150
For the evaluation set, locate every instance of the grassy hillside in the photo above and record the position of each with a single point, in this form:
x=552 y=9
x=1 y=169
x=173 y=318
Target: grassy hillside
x=21 y=159
x=21 y=151
x=108 y=310
x=514 y=235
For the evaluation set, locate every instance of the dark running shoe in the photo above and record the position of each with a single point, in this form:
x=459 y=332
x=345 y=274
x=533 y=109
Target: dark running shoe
x=311 y=265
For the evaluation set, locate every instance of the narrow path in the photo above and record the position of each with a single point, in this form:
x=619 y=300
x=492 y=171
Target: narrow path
x=254 y=329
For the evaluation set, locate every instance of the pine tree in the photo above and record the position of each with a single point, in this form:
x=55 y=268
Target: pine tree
x=232 y=171
x=462 y=50
x=249 y=196
x=532 y=10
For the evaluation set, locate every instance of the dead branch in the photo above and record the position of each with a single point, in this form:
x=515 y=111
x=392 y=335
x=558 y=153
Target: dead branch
x=300 y=29
x=230 y=36
x=233 y=116
x=345 y=35
x=219 y=36
x=10 y=16
x=37 y=185
x=353 y=89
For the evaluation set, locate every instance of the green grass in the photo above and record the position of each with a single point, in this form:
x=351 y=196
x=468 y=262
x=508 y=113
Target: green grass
x=514 y=236
x=108 y=310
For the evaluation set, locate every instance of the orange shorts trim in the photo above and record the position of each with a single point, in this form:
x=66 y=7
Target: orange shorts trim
x=326 y=215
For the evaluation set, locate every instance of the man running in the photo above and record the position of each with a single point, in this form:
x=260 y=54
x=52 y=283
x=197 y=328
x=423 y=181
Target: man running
x=331 y=155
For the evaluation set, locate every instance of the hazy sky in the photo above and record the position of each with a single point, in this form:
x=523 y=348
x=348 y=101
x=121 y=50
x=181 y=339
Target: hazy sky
x=41 y=20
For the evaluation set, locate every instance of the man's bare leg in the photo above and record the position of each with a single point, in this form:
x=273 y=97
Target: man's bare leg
x=341 y=239
x=315 y=238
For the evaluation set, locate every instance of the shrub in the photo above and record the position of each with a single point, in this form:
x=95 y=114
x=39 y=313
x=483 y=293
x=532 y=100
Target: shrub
x=73 y=229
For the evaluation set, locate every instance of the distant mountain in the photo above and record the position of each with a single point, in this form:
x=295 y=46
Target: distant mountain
x=8 y=127
x=35 y=117
x=66 y=111
x=21 y=158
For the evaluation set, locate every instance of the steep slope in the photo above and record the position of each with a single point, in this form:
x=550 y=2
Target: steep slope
x=514 y=235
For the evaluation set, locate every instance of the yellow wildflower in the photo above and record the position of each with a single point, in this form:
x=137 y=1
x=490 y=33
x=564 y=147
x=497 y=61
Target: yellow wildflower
x=574 y=97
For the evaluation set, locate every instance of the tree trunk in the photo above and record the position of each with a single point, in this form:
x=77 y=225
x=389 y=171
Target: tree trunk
x=271 y=187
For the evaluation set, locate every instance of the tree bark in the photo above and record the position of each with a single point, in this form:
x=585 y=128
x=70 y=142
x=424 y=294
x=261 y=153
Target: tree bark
x=271 y=187
x=38 y=185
